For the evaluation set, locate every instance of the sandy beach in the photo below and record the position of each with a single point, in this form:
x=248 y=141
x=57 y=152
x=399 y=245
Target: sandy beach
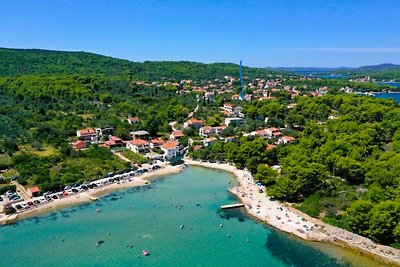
x=289 y=220
x=90 y=195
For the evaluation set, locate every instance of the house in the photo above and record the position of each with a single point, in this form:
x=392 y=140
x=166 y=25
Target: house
x=286 y=139
x=140 y=135
x=88 y=134
x=138 y=145
x=79 y=145
x=133 y=120
x=197 y=147
x=209 y=141
x=231 y=108
x=171 y=149
x=206 y=131
x=262 y=133
x=33 y=191
x=271 y=147
x=195 y=123
x=175 y=135
x=114 y=141
x=273 y=132
x=230 y=139
x=156 y=142
x=233 y=121
x=105 y=131
x=235 y=97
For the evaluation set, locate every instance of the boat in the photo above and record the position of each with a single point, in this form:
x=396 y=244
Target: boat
x=98 y=210
x=146 y=253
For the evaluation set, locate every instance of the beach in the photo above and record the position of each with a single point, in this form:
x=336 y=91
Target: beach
x=90 y=195
x=289 y=220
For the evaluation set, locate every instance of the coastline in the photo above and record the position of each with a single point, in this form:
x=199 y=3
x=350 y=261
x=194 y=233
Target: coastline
x=295 y=222
x=90 y=196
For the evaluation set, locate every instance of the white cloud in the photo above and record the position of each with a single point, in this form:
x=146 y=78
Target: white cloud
x=353 y=49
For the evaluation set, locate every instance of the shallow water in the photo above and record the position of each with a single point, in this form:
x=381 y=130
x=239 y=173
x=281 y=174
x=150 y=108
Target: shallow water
x=149 y=218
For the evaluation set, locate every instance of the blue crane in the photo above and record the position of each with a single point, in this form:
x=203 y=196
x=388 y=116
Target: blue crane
x=242 y=94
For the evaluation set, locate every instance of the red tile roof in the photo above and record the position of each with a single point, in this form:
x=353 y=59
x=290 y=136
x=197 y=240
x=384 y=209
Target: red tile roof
x=34 y=189
x=139 y=142
x=170 y=144
x=87 y=131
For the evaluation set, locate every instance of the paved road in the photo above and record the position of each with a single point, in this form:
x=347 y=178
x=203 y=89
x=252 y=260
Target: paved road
x=21 y=190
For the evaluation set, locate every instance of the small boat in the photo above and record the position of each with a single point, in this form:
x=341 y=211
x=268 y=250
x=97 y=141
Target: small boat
x=98 y=210
x=181 y=226
x=146 y=253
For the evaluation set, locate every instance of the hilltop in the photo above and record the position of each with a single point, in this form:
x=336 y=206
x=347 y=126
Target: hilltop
x=18 y=62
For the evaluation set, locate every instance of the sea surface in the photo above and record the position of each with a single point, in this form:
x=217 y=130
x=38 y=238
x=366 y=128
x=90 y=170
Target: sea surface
x=149 y=218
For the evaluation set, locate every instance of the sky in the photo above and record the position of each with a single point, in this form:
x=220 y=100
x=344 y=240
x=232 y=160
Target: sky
x=268 y=33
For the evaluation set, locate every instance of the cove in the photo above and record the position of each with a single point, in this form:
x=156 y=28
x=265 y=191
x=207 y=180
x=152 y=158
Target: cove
x=149 y=218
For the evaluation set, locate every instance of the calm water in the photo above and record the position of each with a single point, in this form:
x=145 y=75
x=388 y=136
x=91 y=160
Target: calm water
x=149 y=218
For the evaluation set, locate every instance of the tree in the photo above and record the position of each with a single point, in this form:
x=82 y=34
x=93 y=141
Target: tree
x=358 y=216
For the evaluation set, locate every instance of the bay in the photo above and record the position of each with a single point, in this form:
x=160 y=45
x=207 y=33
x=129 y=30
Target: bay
x=149 y=218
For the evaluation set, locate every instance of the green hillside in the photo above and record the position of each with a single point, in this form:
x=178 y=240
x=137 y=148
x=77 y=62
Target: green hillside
x=17 y=62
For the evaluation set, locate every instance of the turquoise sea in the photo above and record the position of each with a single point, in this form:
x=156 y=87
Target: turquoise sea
x=149 y=218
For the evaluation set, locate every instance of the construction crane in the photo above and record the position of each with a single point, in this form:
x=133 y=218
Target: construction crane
x=242 y=94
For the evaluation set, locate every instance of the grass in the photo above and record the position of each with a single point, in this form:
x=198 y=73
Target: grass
x=45 y=152
x=134 y=157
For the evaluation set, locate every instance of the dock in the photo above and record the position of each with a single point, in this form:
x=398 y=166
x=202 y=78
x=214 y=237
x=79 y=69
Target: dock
x=232 y=206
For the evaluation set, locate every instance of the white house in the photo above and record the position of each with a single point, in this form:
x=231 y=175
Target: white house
x=195 y=123
x=206 y=131
x=233 y=121
x=209 y=141
x=171 y=149
x=138 y=145
x=87 y=134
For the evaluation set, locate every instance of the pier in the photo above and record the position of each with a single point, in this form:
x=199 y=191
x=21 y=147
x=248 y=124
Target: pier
x=232 y=206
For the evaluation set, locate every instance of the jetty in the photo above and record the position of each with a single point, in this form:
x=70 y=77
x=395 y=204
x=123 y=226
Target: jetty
x=232 y=206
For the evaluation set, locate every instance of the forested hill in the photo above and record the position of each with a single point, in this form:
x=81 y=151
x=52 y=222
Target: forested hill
x=18 y=62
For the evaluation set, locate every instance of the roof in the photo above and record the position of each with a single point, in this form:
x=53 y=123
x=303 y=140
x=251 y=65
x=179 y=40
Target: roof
x=261 y=132
x=170 y=144
x=197 y=147
x=139 y=142
x=276 y=133
x=177 y=133
x=87 y=131
x=212 y=139
x=191 y=121
x=34 y=189
x=139 y=133
x=229 y=105
x=157 y=141
x=133 y=118
x=271 y=147
x=79 y=144
x=288 y=138
x=273 y=129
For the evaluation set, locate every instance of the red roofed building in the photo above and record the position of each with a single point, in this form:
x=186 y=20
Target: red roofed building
x=206 y=131
x=271 y=147
x=197 y=147
x=138 y=145
x=114 y=141
x=133 y=120
x=175 y=135
x=78 y=145
x=156 y=142
x=171 y=149
x=286 y=139
x=195 y=123
x=209 y=141
x=34 y=191
x=235 y=97
x=87 y=134
x=273 y=132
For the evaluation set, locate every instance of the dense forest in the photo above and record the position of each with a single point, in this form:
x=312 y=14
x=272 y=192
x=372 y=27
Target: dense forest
x=344 y=170
x=18 y=62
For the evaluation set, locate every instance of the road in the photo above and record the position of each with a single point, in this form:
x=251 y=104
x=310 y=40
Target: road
x=21 y=190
